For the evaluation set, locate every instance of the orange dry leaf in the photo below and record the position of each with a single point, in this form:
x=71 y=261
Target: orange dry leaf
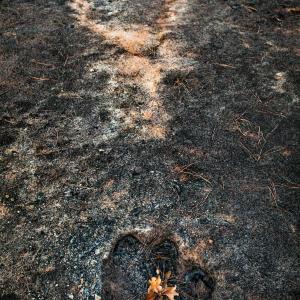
x=170 y=292
x=155 y=285
x=158 y=288
x=151 y=295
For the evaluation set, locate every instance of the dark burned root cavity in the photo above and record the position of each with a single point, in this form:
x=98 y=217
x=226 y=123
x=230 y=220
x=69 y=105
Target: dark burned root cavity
x=132 y=263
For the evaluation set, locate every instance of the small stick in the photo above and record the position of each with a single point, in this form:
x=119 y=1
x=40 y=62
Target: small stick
x=40 y=78
x=41 y=63
x=226 y=66
x=272 y=113
x=3 y=93
x=250 y=8
x=197 y=175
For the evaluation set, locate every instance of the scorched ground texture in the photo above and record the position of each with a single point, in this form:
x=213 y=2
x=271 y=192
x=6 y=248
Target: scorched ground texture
x=137 y=134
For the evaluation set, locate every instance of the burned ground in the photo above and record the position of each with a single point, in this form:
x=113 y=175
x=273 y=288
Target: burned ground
x=126 y=125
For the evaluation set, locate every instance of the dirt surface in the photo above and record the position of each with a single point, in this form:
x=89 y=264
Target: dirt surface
x=144 y=134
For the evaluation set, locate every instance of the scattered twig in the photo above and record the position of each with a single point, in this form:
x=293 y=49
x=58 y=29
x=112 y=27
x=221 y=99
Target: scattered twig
x=40 y=78
x=293 y=185
x=249 y=8
x=207 y=195
x=180 y=82
x=197 y=176
x=273 y=193
x=225 y=66
x=268 y=112
x=291 y=10
x=41 y=63
x=255 y=157
x=3 y=93
x=194 y=174
x=66 y=61
x=272 y=150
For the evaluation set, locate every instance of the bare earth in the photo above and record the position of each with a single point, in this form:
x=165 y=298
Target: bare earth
x=144 y=134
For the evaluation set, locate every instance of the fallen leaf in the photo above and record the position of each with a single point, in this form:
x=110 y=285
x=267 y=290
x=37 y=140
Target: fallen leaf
x=158 y=288
x=151 y=295
x=155 y=285
x=170 y=292
x=167 y=275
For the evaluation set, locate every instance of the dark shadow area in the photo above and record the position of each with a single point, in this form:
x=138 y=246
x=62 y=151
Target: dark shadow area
x=132 y=263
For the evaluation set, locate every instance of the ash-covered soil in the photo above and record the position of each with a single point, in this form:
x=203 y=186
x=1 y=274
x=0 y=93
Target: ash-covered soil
x=149 y=133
